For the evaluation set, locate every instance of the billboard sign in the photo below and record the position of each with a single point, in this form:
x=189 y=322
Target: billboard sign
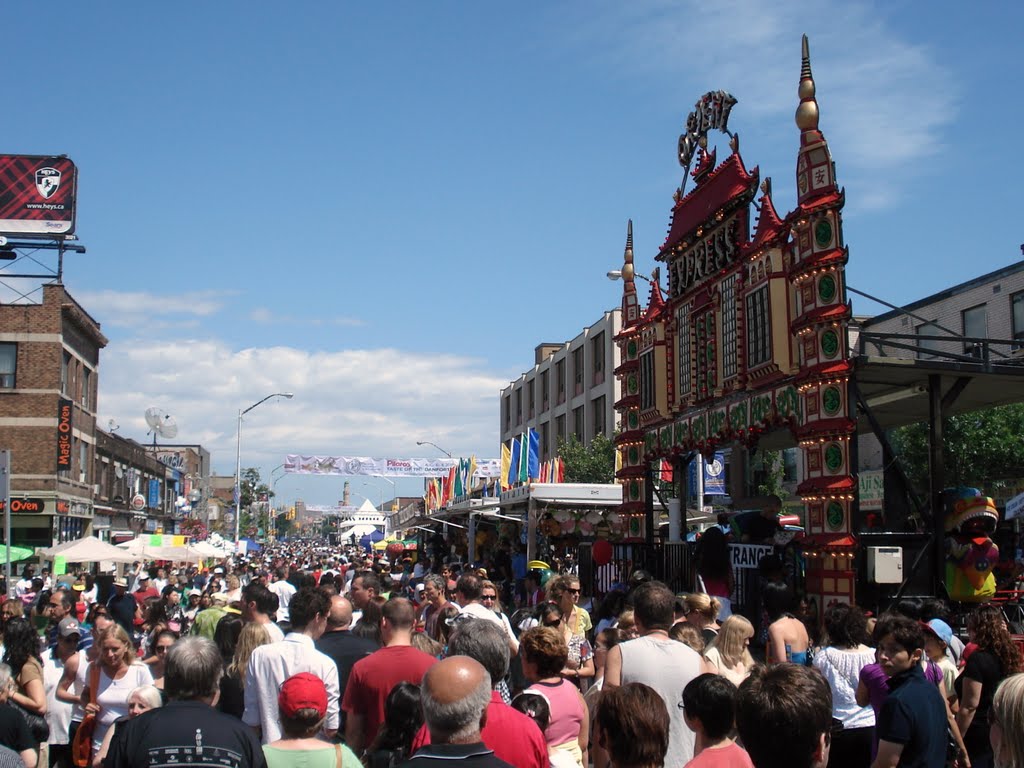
x=37 y=195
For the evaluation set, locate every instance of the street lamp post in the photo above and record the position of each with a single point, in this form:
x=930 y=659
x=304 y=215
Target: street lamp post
x=442 y=450
x=238 y=461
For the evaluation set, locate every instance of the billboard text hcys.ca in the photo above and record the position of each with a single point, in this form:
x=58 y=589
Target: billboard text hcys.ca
x=37 y=195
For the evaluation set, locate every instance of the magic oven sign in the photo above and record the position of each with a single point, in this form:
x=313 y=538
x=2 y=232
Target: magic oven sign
x=25 y=506
x=64 y=435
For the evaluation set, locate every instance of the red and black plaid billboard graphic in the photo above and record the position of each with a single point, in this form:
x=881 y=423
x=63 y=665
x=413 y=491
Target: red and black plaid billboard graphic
x=37 y=195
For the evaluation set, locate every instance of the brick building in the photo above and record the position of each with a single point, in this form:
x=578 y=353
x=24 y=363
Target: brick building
x=49 y=363
x=570 y=390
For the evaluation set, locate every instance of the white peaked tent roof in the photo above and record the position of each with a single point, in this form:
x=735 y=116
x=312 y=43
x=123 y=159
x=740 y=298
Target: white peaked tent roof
x=86 y=550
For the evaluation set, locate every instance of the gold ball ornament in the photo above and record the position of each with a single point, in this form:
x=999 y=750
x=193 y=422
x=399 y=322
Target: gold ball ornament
x=627 y=272
x=807 y=116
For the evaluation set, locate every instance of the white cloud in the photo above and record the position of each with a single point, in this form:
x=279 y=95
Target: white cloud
x=885 y=102
x=354 y=402
x=136 y=309
x=267 y=316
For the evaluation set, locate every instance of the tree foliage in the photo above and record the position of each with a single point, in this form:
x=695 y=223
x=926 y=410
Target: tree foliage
x=978 y=448
x=255 y=513
x=592 y=463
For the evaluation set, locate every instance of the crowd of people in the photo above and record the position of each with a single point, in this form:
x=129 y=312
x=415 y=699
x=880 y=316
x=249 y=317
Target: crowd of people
x=305 y=655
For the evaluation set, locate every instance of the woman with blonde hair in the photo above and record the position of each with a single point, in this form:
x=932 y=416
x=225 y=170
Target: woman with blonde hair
x=1006 y=723
x=232 y=683
x=729 y=654
x=110 y=680
x=702 y=612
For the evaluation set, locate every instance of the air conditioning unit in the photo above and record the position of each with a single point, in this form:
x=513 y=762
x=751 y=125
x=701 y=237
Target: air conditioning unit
x=96 y=490
x=885 y=565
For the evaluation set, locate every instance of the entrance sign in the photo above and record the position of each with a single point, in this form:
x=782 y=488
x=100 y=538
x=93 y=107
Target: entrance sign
x=364 y=465
x=748 y=556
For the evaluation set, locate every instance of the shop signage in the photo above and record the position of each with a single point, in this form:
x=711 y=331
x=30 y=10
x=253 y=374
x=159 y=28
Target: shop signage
x=26 y=506
x=64 y=425
x=138 y=502
x=748 y=556
x=154 y=494
x=1015 y=507
x=872 y=489
x=37 y=195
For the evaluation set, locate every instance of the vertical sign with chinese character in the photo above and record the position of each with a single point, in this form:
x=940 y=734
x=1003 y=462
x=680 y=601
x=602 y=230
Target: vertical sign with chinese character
x=64 y=412
x=154 y=494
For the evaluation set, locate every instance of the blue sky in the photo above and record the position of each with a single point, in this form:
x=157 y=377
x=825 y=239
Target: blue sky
x=384 y=208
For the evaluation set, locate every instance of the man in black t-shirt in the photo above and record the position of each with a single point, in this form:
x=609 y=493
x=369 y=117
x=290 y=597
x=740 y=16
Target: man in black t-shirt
x=341 y=645
x=188 y=731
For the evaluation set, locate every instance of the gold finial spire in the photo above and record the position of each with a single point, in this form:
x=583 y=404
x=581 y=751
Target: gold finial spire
x=627 y=266
x=807 y=112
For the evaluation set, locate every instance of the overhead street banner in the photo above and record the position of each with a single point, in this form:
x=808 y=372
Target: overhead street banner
x=37 y=195
x=486 y=469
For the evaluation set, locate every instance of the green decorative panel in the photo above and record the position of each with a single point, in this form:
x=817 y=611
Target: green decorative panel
x=833 y=457
x=827 y=289
x=760 y=408
x=633 y=384
x=829 y=344
x=738 y=417
x=634 y=420
x=835 y=516
x=631 y=349
x=823 y=233
x=831 y=400
x=634 y=455
x=634 y=490
x=682 y=431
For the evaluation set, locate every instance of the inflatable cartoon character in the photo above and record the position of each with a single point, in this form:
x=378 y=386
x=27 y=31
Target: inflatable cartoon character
x=971 y=555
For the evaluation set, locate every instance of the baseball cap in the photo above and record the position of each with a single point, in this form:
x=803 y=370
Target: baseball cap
x=218 y=569
x=144 y=576
x=940 y=629
x=121 y=583
x=68 y=627
x=194 y=592
x=302 y=691
x=78 y=587
x=219 y=598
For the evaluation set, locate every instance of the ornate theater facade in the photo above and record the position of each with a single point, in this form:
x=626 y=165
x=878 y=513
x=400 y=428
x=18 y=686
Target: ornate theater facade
x=749 y=334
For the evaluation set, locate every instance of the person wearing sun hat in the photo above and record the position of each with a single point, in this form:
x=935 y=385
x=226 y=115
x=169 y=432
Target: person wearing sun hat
x=937 y=637
x=302 y=705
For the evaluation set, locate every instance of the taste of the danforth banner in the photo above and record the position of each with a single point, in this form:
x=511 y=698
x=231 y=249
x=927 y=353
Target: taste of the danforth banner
x=363 y=465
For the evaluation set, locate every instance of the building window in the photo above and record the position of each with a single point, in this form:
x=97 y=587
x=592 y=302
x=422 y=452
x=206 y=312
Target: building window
x=519 y=407
x=759 y=347
x=560 y=428
x=647 y=379
x=729 y=343
x=506 y=408
x=599 y=424
x=545 y=441
x=577 y=371
x=65 y=373
x=83 y=461
x=975 y=322
x=86 y=389
x=579 y=424
x=531 y=398
x=597 y=355
x=928 y=329
x=545 y=396
x=1017 y=318
x=8 y=365
x=683 y=359
x=560 y=382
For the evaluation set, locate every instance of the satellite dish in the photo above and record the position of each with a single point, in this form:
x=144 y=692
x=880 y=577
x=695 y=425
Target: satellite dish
x=160 y=424
x=118 y=472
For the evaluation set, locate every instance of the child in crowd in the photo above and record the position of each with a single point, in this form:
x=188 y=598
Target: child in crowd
x=936 y=640
x=709 y=708
x=536 y=707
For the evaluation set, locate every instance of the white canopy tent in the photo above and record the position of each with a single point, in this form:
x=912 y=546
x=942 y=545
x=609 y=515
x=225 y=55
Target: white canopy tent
x=87 y=550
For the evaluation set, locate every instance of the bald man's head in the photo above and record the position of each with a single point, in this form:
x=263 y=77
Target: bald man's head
x=455 y=694
x=340 y=616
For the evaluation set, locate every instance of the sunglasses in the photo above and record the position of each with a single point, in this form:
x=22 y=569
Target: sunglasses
x=573 y=591
x=552 y=624
x=489 y=597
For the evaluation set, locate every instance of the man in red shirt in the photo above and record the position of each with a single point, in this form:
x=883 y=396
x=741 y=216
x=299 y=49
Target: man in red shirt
x=511 y=735
x=372 y=678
